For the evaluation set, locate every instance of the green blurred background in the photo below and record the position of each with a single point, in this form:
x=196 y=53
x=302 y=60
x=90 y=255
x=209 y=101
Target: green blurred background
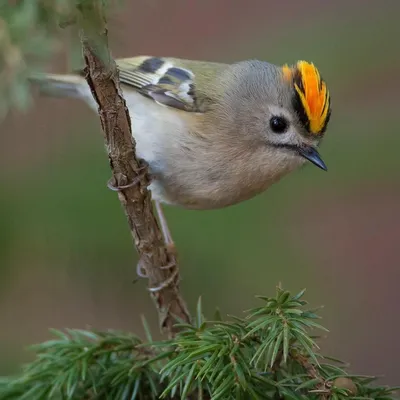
x=66 y=257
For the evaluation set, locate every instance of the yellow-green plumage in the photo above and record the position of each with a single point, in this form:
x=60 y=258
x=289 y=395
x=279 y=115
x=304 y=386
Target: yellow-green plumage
x=206 y=129
x=193 y=93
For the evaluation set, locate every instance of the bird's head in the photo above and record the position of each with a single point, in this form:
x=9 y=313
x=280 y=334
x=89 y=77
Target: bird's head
x=286 y=108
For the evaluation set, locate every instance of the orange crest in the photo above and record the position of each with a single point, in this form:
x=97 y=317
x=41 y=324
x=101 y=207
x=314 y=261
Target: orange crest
x=312 y=96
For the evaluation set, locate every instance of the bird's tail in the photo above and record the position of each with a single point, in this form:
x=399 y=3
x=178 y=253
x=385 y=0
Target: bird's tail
x=56 y=85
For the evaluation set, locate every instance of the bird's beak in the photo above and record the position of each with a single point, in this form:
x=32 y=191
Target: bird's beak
x=311 y=154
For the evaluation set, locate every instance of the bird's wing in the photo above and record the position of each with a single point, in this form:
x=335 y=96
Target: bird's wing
x=182 y=84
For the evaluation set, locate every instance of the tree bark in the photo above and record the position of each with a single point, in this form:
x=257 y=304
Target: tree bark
x=129 y=175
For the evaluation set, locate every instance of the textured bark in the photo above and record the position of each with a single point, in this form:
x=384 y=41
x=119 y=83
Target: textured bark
x=130 y=175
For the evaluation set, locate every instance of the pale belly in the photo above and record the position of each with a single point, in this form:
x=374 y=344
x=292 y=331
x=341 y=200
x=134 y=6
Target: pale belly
x=203 y=191
x=196 y=177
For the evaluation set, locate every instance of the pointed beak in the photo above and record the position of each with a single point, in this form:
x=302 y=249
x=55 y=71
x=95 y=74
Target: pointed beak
x=311 y=154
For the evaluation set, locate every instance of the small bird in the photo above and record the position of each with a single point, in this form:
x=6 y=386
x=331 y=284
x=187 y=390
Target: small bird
x=215 y=134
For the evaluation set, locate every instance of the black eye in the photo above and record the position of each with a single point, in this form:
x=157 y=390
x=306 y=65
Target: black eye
x=278 y=124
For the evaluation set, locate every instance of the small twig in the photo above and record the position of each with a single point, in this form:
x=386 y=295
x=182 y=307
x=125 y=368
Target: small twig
x=102 y=76
x=322 y=387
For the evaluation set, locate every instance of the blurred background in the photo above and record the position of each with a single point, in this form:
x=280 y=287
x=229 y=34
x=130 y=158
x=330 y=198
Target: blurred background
x=66 y=257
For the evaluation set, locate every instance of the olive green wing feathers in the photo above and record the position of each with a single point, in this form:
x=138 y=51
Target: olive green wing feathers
x=182 y=84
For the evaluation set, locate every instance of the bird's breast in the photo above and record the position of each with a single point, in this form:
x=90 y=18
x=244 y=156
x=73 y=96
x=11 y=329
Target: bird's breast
x=212 y=182
x=196 y=171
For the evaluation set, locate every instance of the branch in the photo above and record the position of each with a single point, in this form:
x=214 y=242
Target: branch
x=321 y=387
x=129 y=175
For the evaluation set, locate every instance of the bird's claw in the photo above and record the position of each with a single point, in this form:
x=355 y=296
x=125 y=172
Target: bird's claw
x=166 y=283
x=141 y=272
x=117 y=188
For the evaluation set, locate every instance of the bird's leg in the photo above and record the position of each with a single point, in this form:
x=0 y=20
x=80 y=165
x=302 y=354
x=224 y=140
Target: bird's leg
x=169 y=243
x=164 y=227
x=140 y=268
x=171 y=247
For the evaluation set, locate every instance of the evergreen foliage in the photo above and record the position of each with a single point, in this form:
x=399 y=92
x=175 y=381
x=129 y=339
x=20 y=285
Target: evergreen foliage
x=270 y=353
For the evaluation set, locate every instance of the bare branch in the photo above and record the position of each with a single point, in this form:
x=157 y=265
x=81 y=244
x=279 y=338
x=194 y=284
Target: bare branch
x=129 y=175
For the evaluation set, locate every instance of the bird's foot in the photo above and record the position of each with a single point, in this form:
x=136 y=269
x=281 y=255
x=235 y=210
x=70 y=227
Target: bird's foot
x=142 y=173
x=141 y=271
x=167 y=282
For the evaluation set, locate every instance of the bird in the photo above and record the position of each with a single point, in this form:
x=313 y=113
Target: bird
x=215 y=134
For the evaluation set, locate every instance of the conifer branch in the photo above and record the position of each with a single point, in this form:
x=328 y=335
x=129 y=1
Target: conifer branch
x=238 y=359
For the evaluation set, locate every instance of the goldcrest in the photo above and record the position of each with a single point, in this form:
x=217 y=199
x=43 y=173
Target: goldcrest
x=216 y=134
